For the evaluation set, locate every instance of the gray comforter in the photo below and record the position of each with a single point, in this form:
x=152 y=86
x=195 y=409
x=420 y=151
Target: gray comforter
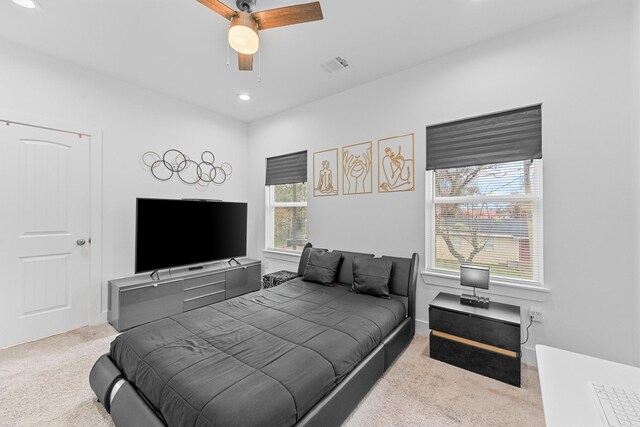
x=262 y=359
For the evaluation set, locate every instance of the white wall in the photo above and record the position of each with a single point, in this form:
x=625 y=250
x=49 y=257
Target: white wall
x=578 y=67
x=635 y=108
x=133 y=120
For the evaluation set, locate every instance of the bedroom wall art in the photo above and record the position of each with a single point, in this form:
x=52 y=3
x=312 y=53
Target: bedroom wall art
x=325 y=173
x=200 y=172
x=357 y=176
x=396 y=171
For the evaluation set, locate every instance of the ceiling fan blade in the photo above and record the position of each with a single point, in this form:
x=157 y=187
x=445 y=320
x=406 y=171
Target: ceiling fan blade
x=245 y=62
x=289 y=15
x=219 y=8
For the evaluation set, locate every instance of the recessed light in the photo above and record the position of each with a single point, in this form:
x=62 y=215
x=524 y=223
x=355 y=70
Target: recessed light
x=29 y=4
x=244 y=97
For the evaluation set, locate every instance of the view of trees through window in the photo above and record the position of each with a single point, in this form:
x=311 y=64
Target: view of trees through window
x=289 y=216
x=484 y=215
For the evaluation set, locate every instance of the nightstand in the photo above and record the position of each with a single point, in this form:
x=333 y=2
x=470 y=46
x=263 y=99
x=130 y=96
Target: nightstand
x=481 y=340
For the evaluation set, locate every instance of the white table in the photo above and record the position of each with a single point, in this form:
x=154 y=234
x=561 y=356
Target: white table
x=564 y=378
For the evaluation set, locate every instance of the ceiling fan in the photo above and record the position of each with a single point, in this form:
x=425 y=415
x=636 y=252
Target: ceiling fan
x=245 y=24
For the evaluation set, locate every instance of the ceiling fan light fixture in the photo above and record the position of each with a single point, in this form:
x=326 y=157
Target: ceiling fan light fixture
x=243 y=34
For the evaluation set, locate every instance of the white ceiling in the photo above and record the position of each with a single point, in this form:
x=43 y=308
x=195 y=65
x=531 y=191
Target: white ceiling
x=178 y=47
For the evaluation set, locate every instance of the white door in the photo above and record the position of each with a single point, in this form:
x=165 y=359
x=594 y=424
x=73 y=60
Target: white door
x=44 y=216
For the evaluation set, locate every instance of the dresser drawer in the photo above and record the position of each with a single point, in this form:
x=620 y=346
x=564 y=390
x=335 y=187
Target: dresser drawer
x=201 y=301
x=207 y=279
x=494 y=365
x=202 y=290
x=491 y=332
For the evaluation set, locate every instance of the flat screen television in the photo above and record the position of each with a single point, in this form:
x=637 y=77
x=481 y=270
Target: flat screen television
x=173 y=233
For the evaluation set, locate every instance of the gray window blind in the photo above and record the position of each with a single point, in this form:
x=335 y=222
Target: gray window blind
x=287 y=169
x=495 y=138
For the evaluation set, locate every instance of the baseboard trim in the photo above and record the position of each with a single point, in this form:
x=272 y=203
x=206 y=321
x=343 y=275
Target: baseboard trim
x=101 y=318
x=529 y=356
x=422 y=327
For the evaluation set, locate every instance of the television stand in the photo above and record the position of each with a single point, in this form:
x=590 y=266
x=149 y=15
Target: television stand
x=141 y=299
x=234 y=260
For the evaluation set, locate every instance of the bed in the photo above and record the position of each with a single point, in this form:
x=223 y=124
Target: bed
x=297 y=354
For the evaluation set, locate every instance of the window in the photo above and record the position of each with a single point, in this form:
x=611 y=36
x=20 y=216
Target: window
x=488 y=215
x=484 y=200
x=286 y=202
x=287 y=216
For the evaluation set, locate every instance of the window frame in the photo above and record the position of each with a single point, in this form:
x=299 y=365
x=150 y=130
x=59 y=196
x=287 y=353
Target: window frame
x=537 y=200
x=270 y=206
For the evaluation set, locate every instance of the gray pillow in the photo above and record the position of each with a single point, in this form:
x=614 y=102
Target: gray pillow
x=371 y=276
x=345 y=273
x=322 y=266
x=304 y=258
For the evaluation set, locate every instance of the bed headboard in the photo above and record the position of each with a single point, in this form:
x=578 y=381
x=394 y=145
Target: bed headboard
x=404 y=274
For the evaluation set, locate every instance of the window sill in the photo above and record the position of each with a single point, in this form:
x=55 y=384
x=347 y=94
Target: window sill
x=282 y=255
x=496 y=287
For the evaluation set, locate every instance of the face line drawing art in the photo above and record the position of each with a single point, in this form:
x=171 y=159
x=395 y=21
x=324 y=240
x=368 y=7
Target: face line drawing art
x=356 y=169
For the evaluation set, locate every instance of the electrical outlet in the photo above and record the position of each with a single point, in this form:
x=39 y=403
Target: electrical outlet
x=535 y=313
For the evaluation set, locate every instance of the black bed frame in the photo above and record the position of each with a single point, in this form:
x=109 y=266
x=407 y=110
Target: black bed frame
x=128 y=408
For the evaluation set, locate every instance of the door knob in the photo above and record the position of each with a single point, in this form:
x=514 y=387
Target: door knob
x=80 y=242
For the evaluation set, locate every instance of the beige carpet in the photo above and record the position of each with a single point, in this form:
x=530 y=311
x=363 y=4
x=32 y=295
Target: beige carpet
x=45 y=383
x=420 y=391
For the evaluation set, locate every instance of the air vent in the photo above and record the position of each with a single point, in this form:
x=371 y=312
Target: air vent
x=335 y=64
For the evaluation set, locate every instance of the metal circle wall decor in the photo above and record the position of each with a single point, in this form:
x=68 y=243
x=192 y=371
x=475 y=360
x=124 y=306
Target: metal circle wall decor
x=149 y=158
x=226 y=167
x=220 y=177
x=189 y=172
x=207 y=172
x=174 y=162
x=173 y=159
x=210 y=158
x=160 y=171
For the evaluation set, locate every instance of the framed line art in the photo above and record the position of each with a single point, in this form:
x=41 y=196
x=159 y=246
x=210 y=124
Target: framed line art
x=396 y=166
x=325 y=173
x=357 y=176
